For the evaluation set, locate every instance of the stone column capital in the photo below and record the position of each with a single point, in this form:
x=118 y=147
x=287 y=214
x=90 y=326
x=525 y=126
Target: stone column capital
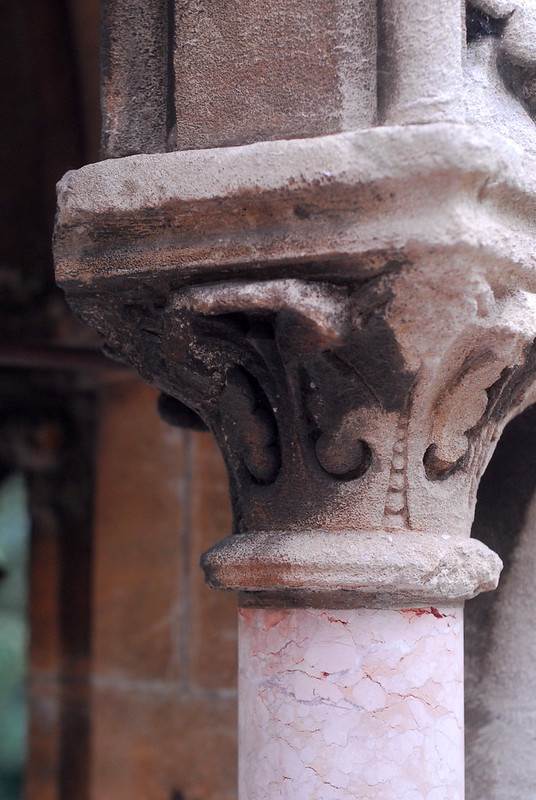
x=352 y=315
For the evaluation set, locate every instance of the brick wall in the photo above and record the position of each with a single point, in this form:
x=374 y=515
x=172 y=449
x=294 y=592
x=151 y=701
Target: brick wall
x=138 y=700
x=164 y=645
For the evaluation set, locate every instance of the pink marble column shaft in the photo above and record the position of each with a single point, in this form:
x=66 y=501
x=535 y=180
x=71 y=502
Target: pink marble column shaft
x=357 y=704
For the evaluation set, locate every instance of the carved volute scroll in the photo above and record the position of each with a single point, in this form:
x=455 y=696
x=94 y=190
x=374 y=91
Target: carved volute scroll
x=331 y=410
x=352 y=316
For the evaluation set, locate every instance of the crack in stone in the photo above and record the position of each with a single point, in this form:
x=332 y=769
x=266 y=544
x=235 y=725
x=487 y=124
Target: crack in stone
x=319 y=701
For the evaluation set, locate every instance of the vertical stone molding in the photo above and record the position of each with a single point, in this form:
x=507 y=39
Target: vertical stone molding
x=201 y=74
x=416 y=86
x=350 y=309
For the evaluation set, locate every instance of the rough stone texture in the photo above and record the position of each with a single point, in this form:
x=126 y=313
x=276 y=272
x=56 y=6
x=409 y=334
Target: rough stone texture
x=207 y=74
x=351 y=705
x=136 y=79
x=415 y=85
x=352 y=568
x=334 y=409
x=248 y=71
x=500 y=72
x=193 y=75
x=308 y=207
x=365 y=322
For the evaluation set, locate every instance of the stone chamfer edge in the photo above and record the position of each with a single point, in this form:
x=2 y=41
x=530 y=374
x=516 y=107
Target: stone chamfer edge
x=354 y=568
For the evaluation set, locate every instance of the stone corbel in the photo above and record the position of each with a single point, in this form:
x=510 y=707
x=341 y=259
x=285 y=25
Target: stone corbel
x=353 y=316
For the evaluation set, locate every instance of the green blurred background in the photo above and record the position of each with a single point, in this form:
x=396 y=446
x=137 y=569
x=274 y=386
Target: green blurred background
x=14 y=548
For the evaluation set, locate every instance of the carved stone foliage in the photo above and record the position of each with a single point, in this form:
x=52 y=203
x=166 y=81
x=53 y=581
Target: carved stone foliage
x=501 y=86
x=353 y=317
x=343 y=404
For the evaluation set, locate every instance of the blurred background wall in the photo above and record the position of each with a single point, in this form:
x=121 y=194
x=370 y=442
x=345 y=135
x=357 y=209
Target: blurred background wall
x=127 y=685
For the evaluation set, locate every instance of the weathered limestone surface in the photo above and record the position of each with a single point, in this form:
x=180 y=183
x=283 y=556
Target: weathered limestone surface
x=375 y=569
x=136 y=81
x=351 y=705
x=500 y=68
x=362 y=324
x=351 y=312
x=231 y=57
x=220 y=73
x=415 y=85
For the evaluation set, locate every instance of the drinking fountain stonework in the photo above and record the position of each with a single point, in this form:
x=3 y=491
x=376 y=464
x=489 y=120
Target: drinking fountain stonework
x=318 y=241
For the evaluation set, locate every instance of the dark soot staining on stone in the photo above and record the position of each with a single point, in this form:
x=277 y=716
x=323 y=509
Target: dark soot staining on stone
x=437 y=469
x=251 y=426
x=176 y=413
x=345 y=461
x=480 y=25
x=374 y=355
x=301 y=212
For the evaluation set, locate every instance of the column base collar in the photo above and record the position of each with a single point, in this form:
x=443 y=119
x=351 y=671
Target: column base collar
x=346 y=569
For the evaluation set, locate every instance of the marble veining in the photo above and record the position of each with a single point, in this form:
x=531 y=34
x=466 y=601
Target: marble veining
x=358 y=704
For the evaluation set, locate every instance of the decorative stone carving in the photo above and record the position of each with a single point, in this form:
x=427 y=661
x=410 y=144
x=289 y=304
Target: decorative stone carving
x=356 y=382
x=501 y=68
x=354 y=317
